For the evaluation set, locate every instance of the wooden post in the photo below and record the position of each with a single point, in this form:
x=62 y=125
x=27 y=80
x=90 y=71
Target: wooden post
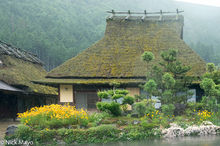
x=145 y=15
x=161 y=15
x=113 y=14
x=129 y=14
x=177 y=14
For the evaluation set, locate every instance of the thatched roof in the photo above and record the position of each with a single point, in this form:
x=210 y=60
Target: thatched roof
x=100 y=81
x=18 y=68
x=118 y=53
x=7 y=49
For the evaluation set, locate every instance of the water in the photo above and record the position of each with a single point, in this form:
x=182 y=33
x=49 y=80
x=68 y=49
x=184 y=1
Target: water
x=184 y=141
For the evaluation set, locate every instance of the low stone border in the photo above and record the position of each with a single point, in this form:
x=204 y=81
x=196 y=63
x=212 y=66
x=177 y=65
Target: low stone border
x=206 y=128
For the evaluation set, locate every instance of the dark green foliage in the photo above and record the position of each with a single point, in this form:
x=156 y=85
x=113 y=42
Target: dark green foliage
x=128 y=100
x=195 y=106
x=178 y=68
x=208 y=86
x=110 y=92
x=99 y=134
x=168 y=109
x=169 y=78
x=140 y=108
x=25 y=133
x=112 y=108
x=211 y=85
x=169 y=56
x=139 y=132
x=167 y=96
x=123 y=92
x=103 y=95
x=210 y=103
x=147 y=56
x=150 y=87
x=115 y=109
x=148 y=126
x=117 y=96
x=103 y=106
x=211 y=67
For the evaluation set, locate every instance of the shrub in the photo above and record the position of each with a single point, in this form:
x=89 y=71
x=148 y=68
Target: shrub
x=117 y=96
x=102 y=133
x=135 y=132
x=112 y=108
x=103 y=95
x=195 y=106
x=147 y=56
x=205 y=115
x=25 y=133
x=128 y=100
x=123 y=92
x=140 y=108
x=96 y=118
x=53 y=116
x=103 y=106
x=148 y=126
x=210 y=103
x=168 y=109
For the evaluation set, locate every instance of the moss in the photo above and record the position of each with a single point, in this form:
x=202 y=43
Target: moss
x=89 y=81
x=19 y=72
x=118 y=53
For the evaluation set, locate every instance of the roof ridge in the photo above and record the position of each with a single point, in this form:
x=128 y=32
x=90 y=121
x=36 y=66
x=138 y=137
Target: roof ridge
x=11 y=50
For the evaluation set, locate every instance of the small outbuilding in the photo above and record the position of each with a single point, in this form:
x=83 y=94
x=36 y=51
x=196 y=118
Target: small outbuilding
x=116 y=58
x=17 y=93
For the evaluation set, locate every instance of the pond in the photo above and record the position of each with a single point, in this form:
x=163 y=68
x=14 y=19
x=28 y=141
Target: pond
x=183 y=141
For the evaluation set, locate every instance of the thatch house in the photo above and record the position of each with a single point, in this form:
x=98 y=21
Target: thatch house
x=117 y=58
x=17 y=93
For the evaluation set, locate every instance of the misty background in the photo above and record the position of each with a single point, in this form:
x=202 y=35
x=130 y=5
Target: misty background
x=57 y=30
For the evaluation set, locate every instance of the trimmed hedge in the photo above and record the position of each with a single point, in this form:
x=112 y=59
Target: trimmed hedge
x=99 y=134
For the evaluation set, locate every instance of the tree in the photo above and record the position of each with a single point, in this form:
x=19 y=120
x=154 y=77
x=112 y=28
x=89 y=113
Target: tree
x=147 y=56
x=150 y=87
x=114 y=107
x=168 y=78
x=211 y=85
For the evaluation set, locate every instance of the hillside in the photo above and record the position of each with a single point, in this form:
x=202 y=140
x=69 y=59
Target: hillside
x=57 y=30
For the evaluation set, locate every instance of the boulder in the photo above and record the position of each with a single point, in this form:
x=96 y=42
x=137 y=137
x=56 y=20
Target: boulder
x=10 y=130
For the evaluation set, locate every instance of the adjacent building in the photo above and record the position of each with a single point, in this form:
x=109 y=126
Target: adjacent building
x=116 y=58
x=17 y=93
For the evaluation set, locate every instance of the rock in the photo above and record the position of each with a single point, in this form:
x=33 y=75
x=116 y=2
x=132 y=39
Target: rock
x=135 y=122
x=179 y=109
x=206 y=123
x=206 y=128
x=134 y=115
x=10 y=130
x=192 y=130
x=60 y=142
x=173 y=131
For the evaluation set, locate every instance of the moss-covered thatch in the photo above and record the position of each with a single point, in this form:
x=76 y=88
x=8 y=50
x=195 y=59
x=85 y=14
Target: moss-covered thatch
x=51 y=81
x=118 y=53
x=20 y=73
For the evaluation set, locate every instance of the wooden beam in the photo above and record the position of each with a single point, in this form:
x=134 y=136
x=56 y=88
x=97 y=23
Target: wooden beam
x=146 y=13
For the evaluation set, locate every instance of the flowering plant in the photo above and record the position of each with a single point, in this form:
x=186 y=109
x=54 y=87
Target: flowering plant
x=54 y=116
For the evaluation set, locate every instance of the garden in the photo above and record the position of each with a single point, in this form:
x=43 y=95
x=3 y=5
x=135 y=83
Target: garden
x=127 y=118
